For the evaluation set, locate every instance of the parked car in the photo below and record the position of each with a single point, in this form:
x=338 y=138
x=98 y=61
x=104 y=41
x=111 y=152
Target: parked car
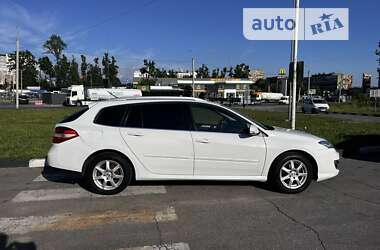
x=178 y=138
x=284 y=100
x=315 y=105
x=23 y=99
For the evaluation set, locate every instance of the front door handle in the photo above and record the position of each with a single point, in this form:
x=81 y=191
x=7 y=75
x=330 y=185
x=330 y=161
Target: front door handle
x=202 y=140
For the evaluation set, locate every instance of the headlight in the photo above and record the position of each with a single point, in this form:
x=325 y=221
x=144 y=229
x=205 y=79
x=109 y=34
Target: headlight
x=326 y=144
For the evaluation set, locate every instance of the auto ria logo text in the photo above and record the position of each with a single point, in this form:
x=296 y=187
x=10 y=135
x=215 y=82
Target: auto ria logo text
x=280 y=23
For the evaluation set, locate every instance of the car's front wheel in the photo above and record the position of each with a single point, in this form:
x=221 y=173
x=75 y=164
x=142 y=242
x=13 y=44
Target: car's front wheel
x=108 y=174
x=292 y=173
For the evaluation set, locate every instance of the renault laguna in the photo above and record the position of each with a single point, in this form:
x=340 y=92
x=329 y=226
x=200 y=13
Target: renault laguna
x=177 y=138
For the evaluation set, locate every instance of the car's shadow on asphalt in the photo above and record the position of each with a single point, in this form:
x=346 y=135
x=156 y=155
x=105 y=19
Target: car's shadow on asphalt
x=361 y=147
x=68 y=177
x=5 y=244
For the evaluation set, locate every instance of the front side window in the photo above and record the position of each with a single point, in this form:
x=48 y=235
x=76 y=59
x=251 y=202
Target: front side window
x=159 y=116
x=74 y=93
x=209 y=119
x=111 y=116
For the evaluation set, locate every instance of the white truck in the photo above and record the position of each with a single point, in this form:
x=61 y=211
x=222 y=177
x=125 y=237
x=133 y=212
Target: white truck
x=268 y=97
x=78 y=95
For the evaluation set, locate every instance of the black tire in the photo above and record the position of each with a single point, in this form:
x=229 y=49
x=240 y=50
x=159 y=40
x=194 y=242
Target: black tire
x=277 y=172
x=79 y=103
x=113 y=158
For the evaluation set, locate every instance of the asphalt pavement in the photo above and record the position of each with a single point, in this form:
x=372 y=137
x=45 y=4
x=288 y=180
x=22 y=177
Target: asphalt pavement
x=51 y=211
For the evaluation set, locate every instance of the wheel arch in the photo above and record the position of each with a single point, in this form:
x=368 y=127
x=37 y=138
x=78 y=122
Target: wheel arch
x=304 y=153
x=89 y=158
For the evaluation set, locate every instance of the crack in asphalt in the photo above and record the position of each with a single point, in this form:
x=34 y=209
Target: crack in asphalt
x=158 y=230
x=351 y=196
x=298 y=222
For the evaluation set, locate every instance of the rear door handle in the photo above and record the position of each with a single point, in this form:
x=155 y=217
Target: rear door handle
x=202 y=140
x=134 y=134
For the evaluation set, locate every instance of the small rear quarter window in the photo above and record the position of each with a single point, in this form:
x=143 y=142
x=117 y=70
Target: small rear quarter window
x=75 y=116
x=111 y=116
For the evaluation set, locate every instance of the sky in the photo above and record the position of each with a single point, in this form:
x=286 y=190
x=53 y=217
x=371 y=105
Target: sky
x=171 y=32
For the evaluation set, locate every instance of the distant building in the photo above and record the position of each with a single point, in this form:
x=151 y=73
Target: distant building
x=137 y=74
x=329 y=82
x=186 y=74
x=256 y=74
x=366 y=83
x=6 y=77
x=347 y=82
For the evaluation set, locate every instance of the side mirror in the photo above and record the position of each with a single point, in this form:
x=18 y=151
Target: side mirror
x=253 y=130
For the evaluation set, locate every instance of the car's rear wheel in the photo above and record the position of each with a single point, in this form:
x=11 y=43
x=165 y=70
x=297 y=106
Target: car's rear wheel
x=108 y=173
x=292 y=173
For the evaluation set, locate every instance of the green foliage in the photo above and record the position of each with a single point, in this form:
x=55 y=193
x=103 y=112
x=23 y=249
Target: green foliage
x=46 y=66
x=73 y=72
x=83 y=70
x=203 y=72
x=27 y=67
x=55 y=46
x=241 y=71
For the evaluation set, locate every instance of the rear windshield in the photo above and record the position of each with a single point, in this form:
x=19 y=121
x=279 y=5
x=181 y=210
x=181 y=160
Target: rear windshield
x=75 y=116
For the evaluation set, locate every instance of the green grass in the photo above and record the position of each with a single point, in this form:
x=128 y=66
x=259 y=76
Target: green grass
x=334 y=130
x=27 y=133
x=354 y=108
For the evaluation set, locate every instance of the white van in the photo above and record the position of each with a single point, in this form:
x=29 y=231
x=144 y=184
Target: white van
x=315 y=105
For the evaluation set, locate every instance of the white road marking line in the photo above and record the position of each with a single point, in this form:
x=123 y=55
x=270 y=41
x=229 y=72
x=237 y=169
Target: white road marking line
x=36 y=163
x=53 y=177
x=171 y=246
x=70 y=221
x=78 y=193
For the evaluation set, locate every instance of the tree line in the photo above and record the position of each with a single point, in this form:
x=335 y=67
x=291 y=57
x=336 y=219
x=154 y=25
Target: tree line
x=239 y=71
x=64 y=71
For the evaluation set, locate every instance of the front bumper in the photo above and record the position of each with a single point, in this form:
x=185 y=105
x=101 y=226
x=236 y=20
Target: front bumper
x=327 y=161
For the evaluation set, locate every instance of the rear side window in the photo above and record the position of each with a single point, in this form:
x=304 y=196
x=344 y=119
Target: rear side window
x=75 y=116
x=158 y=116
x=111 y=116
x=164 y=116
x=134 y=119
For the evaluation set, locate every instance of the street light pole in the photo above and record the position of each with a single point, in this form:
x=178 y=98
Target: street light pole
x=17 y=69
x=193 y=77
x=294 y=60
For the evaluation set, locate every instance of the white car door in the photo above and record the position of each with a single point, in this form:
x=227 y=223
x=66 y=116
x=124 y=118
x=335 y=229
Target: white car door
x=158 y=134
x=221 y=146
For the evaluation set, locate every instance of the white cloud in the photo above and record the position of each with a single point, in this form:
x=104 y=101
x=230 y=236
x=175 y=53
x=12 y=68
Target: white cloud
x=32 y=29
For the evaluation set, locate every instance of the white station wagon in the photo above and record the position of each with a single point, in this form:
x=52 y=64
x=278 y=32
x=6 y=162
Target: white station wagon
x=177 y=138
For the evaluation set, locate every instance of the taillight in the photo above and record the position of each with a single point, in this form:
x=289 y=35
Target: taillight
x=62 y=134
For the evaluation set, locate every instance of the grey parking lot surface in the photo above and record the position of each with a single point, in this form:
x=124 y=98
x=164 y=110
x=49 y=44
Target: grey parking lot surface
x=341 y=213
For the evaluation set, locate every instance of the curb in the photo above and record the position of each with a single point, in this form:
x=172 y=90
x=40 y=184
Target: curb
x=36 y=163
x=358 y=114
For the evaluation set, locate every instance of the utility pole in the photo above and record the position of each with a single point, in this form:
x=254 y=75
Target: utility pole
x=193 y=76
x=294 y=60
x=17 y=68
x=290 y=86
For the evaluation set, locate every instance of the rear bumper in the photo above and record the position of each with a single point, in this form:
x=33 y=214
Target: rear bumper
x=64 y=155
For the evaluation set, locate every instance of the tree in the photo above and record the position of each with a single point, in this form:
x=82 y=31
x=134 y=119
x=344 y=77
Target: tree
x=241 y=71
x=46 y=66
x=55 y=46
x=73 y=72
x=96 y=74
x=62 y=69
x=106 y=73
x=215 y=73
x=27 y=67
x=203 y=72
x=113 y=72
x=377 y=53
x=150 y=69
x=83 y=70
x=223 y=72
x=231 y=72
